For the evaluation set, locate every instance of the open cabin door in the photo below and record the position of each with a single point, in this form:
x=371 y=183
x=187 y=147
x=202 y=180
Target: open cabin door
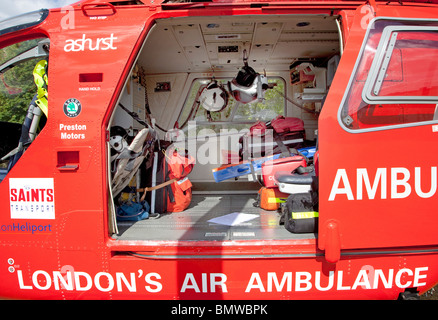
x=377 y=135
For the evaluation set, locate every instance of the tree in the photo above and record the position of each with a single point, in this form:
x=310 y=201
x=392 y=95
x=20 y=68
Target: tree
x=17 y=87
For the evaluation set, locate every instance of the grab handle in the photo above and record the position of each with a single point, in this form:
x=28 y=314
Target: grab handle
x=98 y=9
x=333 y=243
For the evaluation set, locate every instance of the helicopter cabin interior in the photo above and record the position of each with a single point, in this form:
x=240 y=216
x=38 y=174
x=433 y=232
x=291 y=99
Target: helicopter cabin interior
x=183 y=85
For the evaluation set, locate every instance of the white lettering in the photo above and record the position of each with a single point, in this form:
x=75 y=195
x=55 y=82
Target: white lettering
x=66 y=284
x=69 y=45
x=387 y=282
x=339 y=285
x=318 y=281
x=39 y=283
x=417 y=276
x=399 y=275
x=72 y=127
x=247 y=309
x=190 y=283
x=129 y=285
x=303 y=278
x=89 y=282
x=21 y=282
x=362 y=177
x=215 y=279
x=199 y=311
x=287 y=278
x=362 y=280
x=218 y=279
x=367 y=278
x=85 y=43
x=72 y=136
x=403 y=182
x=97 y=281
x=341 y=174
x=433 y=184
x=255 y=277
x=204 y=282
x=158 y=285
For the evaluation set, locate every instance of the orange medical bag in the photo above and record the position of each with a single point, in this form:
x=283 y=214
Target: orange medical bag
x=270 y=198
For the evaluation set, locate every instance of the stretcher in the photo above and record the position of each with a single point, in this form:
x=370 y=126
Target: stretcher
x=230 y=171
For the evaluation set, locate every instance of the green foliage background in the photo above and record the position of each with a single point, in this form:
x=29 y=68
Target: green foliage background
x=17 y=87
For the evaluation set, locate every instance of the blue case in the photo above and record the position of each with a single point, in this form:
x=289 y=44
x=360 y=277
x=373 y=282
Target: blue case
x=308 y=152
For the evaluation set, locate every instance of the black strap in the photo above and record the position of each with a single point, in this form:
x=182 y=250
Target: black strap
x=135 y=116
x=295 y=151
x=167 y=189
x=285 y=152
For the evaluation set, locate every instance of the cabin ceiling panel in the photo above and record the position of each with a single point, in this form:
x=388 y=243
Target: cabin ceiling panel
x=166 y=55
x=304 y=49
x=273 y=42
x=221 y=26
x=267 y=33
x=188 y=35
x=310 y=23
x=261 y=53
x=197 y=56
x=312 y=35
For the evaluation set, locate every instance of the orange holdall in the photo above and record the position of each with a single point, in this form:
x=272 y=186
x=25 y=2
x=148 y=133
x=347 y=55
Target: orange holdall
x=270 y=198
x=179 y=166
x=171 y=189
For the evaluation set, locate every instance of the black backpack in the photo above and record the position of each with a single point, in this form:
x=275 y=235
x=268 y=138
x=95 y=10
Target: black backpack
x=301 y=213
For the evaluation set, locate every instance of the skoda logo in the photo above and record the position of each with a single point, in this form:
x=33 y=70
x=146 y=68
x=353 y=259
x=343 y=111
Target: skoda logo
x=72 y=107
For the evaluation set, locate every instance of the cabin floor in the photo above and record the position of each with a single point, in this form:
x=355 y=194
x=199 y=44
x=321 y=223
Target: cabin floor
x=213 y=217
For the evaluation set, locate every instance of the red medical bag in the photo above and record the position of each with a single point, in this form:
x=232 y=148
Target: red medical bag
x=269 y=168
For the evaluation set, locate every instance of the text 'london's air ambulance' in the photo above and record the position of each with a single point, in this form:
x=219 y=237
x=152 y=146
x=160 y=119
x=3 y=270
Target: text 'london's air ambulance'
x=225 y=149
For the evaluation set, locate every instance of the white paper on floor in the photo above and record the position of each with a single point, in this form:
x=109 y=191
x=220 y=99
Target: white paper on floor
x=234 y=218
